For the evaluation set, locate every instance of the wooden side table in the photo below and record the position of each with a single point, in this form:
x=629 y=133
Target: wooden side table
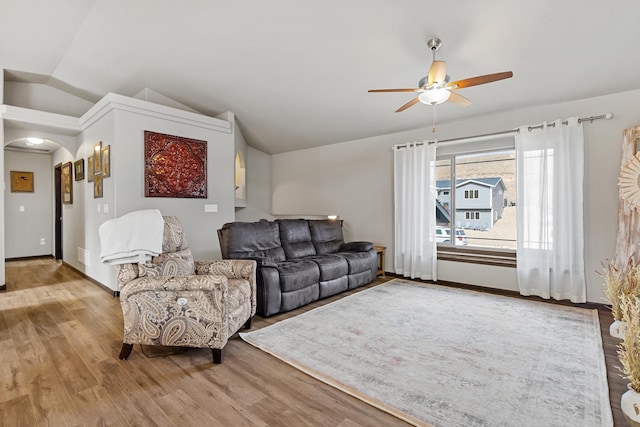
x=380 y=250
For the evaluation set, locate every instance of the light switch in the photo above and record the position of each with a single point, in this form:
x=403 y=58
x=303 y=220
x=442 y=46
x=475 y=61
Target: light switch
x=211 y=208
x=105 y=208
x=98 y=207
x=21 y=208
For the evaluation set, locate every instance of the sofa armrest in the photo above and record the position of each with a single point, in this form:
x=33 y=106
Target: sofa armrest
x=232 y=269
x=159 y=284
x=356 y=247
x=126 y=273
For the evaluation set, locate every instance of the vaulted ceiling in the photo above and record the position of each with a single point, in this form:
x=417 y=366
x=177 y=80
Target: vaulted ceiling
x=296 y=73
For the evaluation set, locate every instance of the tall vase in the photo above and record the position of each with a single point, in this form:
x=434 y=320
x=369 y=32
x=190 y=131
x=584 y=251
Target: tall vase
x=616 y=329
x=630 y=405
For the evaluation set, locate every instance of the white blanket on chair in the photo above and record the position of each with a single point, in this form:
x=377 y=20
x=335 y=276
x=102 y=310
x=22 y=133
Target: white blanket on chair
x=134 y=237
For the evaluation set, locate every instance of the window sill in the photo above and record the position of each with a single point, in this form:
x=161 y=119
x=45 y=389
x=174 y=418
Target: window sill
x=497 y=257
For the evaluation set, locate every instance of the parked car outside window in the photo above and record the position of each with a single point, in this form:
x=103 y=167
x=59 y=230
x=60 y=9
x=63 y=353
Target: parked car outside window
x=443 y=236
x=461 y=237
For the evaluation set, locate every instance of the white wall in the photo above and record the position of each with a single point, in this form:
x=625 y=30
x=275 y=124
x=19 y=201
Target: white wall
x=45 y=98
x=127 y=167
x=120 y=122
x=24 y=229
x=355 y=180
x=258 y=204
x=80 y=220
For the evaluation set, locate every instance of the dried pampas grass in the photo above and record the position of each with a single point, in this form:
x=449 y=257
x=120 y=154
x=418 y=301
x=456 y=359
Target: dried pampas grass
x=629 y=348
x=620 y=283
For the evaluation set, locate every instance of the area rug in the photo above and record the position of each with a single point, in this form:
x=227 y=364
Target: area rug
x=439 y=356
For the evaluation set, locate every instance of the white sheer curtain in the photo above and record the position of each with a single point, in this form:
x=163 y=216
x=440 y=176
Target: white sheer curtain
x=550 y=168
x=415 y=210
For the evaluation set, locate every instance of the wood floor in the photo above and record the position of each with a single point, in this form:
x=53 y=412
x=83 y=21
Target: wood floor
x=60 y=336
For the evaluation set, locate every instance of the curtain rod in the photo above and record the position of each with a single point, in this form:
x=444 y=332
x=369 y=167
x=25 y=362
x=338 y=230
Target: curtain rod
x=492 y=135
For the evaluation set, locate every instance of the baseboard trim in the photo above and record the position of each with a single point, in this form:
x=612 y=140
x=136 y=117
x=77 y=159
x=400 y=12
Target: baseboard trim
x=28 y=258
x=115 y=294
x=508 y=293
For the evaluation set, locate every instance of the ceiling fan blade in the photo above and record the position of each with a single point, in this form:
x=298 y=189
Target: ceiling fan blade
x=437 y=72
x=411 y=103
x=456 y=98
x=393 y=90
x=480 y=80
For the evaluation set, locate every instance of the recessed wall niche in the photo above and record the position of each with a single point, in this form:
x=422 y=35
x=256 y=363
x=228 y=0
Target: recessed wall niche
x=240 y=180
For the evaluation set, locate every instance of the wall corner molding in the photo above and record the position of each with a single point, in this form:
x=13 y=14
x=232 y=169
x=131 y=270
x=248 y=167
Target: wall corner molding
x=114 y=102
x=43 y=120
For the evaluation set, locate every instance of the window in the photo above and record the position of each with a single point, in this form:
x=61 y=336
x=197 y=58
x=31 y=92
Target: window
x=485 y=214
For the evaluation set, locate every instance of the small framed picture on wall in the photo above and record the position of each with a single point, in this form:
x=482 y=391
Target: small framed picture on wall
x=67 y=183
x=97 y=158
x=97 y=186
x=78 y=167
x=90 y=168
x=106 y=161
x=21 y=182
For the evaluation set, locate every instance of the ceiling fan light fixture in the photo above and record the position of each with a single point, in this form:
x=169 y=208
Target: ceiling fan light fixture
x=34 y=140
x=436 y=88
x=434 y=96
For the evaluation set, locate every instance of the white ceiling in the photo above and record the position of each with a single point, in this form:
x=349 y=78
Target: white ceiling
x=296 y=72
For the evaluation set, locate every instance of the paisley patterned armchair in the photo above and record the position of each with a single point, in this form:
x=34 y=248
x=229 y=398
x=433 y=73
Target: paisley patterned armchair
x=174 y=301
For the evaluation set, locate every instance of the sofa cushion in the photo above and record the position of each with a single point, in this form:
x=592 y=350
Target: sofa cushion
x=359 y=279
x=251 y=239
x=331 y=266
x=358 y=261
x=296 y=274
x=326 y=235
x=295 y=237
x=294 y=299
x=335 y=286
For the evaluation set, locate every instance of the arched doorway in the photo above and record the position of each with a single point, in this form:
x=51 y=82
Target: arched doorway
x=33 y=217
x=240 y=178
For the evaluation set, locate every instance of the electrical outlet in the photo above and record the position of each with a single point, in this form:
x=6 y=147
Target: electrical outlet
x=43 y=241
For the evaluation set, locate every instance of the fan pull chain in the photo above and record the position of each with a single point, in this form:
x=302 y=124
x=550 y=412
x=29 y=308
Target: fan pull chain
x=435 y=118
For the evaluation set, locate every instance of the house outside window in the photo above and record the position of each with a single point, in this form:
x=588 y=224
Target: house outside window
x=482 y=203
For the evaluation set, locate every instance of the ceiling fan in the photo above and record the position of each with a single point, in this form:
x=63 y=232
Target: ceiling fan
x=435 y=88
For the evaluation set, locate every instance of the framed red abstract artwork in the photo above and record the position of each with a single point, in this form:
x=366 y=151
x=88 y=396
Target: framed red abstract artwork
x=174 y=166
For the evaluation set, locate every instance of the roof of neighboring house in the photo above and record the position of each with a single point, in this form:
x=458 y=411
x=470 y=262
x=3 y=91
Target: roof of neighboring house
x=443 y=184
x=442 y=216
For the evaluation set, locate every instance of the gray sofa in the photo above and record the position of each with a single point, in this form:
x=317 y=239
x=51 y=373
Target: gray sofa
x=299 y=261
